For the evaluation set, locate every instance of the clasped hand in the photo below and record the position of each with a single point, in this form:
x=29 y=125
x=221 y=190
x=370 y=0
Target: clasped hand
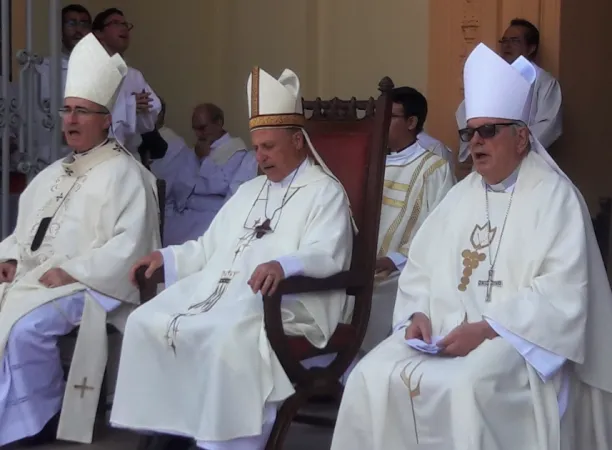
x=459 y=342
x=143 y=101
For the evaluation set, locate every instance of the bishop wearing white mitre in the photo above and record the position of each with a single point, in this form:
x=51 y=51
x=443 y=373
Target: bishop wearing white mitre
x=416 y=180
x=505 y=281
x=83 y=221
x=522 y=38
x=195 y=360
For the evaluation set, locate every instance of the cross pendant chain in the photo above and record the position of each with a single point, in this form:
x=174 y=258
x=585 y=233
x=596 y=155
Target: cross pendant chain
x=490 y=283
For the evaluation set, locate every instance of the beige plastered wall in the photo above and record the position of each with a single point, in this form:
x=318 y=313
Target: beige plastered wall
x=202 y=50
x=193 y=51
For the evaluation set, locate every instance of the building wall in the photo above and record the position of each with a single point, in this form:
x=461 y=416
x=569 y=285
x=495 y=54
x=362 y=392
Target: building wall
x=585 y=149
x=204 y=50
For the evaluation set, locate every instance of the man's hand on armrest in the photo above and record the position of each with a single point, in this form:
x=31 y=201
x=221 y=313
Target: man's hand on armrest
x=266 y=278
x=7 y=271
x=56 y=277
x=152 y=262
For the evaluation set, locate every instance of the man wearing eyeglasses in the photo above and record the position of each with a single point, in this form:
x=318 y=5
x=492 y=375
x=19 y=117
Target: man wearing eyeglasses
x=522 y=38
x=76 y=23
x=416 y=180
x=82 y=222
x=137 y=106
x=503 y=313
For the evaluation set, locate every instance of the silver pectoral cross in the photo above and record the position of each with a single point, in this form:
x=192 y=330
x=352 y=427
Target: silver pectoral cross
x=489 y=283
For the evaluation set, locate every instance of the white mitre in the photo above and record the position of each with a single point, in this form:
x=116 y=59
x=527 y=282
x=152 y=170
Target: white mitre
x=277 y=103
x=496 y=89
x=94 y=75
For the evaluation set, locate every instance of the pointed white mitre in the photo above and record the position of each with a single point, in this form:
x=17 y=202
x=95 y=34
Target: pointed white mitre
x=94 y=75
x=496 y=89
x=272 y=102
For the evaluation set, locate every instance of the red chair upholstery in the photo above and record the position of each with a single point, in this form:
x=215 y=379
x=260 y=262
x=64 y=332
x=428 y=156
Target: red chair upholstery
x=354 y=149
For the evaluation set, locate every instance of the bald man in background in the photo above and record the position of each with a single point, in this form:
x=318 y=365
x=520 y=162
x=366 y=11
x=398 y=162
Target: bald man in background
x=200 y=180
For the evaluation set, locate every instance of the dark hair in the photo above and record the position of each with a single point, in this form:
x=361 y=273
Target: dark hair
x=532 y=34
x=214 y=112
x=414 y=103
x=75 y=8
x=98 y=22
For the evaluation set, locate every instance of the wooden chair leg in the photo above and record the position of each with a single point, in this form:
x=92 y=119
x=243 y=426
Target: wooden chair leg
x=283 y=420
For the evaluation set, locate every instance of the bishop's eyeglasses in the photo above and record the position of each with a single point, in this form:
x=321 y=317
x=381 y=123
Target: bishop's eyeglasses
x=484 y=131
x=78 y=112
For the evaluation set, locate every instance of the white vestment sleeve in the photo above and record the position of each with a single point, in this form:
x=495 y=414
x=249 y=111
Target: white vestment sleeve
x=170 y=274
x=546 y=126
x=191 y=256
x=326 y=246
x=546 y=363
x=291 y=265
x=397 y=259
x=126 y=219
x=550 y=310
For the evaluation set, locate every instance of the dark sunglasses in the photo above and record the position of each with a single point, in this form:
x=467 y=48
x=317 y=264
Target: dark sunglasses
x=484 y=131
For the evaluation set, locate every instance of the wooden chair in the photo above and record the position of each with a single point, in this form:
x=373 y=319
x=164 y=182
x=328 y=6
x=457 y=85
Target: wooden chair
x=601 y=225
x=68 y=341
x=354 y=149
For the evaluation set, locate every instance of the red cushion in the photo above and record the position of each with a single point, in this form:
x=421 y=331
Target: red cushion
x=17 y=183
x=340 y=340
x=346 y=155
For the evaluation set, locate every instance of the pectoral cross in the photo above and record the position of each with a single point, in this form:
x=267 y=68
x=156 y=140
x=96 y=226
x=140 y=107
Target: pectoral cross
x=263 y=229
x=83 y=387
x=489 y=283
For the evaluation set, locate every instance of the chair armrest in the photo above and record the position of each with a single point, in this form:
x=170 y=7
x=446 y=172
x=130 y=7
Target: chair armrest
x=275 y=332
x=303 y=285
x=148 y=286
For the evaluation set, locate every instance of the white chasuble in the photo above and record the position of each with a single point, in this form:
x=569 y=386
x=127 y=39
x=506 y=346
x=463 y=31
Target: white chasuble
x=195 y=360
x=497 y=397
x=101 y=212
x=416 y=180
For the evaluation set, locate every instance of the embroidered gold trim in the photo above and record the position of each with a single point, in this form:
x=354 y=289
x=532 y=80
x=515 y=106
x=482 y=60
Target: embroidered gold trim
x=277 y=120
x=255 y=92
x=384 y=248
x=394 y=185
x=416 y=211
x=392 y=202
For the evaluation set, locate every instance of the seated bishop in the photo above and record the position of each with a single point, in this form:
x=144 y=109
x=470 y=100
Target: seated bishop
x=200 y=180
x=502 y=319
x=196 y=362
x=416 y=180
x=82 y=222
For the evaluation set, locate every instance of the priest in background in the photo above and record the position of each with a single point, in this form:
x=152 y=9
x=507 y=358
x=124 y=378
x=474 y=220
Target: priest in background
x=200 y=181
x=435 y=146
x=416 y=180
x=502 y=320
x=196 y=361
x=522 y=38
x=76 y=23
x=137 y=106
x=83 y=221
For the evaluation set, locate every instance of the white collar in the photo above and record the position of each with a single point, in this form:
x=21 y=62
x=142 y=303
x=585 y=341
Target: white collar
x=406 y=156
x=505 y=185
x=219 y=142
x=289 y=178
